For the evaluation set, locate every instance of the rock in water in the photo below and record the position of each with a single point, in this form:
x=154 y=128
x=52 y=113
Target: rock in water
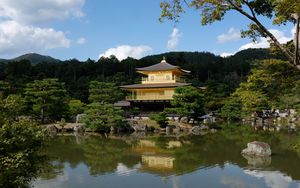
x=257 y=148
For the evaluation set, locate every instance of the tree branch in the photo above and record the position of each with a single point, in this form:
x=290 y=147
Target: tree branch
x=286 y=52
x=296 y=53
x=250 y=8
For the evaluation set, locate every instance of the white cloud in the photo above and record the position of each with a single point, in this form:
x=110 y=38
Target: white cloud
x=16 y=38
x=273 y=179
x=81 y=40
x=124 y=51
x=20 y=29
x=174 y=39
x=263 y=42
x=231 y=35
x=38 y=11
x=123 y=170
x=226 y=54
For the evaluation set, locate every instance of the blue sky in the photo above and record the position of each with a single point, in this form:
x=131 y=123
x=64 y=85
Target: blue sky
x=82 y=29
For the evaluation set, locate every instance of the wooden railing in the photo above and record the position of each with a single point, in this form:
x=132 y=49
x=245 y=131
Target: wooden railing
x=174 y=79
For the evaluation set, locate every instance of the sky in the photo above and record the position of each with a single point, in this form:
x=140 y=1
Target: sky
x=82 y=29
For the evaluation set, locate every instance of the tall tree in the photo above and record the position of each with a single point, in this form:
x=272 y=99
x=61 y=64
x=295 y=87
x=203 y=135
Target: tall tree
x=188 y=102
x=102 y=116
x=47 y=98
x=280 y=12
x=105 y=92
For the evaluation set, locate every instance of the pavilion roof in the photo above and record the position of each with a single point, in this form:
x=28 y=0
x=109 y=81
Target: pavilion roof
x=162 y=66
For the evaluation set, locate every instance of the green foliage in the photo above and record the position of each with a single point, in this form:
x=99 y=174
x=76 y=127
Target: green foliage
x=272 y=77
x=20 y=153
x=75 y=107
x=291 y=100
x=188 y=101
x=271 y=84
x=282 y=15
x=252 y=101
x=160 y=118
x=47 y=99
x=232 y=109
x=101 y=116
x=11 y=107
x=104 y=92
x=4 y=88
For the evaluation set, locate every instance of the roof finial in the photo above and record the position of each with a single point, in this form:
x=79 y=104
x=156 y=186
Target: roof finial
x=164 y=60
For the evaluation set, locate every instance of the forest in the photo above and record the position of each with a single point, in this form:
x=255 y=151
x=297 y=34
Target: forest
x=72 y=81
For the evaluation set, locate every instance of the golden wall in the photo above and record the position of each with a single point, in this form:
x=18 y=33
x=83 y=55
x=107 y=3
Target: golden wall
x=152 y=94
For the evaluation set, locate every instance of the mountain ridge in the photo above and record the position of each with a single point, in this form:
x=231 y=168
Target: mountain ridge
x=34 y=58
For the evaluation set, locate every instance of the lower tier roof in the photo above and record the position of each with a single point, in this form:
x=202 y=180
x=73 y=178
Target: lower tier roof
x=145 y=86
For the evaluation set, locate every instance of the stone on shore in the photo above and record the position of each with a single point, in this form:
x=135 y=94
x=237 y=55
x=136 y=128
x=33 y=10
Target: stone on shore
x=257 y=148
x=52 y=129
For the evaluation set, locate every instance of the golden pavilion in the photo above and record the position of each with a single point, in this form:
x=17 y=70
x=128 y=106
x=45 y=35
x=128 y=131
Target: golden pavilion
x=158 y=83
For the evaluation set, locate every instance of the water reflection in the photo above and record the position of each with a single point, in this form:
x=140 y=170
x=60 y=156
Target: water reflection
x=273 y=179
x=212 y=161
x=123 y=170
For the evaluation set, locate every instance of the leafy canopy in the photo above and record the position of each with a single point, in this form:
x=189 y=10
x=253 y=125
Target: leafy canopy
x=101 y=116
x=47 y=98
x=188 y=101
x=20 y=153
x=279 y=12
x=160 y=118
x=104 y=92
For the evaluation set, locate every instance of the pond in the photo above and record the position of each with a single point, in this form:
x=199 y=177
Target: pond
x=212 y=160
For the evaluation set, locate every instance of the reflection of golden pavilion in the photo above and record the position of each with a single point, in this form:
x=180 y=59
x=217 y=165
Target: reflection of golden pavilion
x=147 y=143
x=160 y=162
x=174 y=144
x=155 y=159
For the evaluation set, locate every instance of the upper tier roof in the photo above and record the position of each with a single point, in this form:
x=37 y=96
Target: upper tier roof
x=162 y=66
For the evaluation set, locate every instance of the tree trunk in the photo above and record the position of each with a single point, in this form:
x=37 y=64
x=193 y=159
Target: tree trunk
x=42 y=115
x=296 y=55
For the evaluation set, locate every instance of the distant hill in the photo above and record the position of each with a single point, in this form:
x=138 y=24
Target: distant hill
x=181 y=58
x=34 y=58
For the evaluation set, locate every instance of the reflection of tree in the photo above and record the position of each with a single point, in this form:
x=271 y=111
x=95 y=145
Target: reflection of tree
x=64 y=149
x=103 y=155
x=51 y=170
x=206 y=151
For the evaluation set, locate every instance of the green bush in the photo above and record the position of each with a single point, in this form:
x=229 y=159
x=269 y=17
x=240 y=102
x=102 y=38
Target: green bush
x=160 y=118
x=20 y=153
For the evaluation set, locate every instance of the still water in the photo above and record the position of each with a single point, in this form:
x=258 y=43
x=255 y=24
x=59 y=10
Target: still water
x=212 y=160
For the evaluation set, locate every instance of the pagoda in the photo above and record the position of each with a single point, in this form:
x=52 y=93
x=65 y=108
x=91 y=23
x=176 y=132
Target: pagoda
x=158 y=84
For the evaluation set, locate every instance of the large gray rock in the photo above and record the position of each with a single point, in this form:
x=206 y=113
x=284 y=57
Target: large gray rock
x=52 y=129
x=199 y=130
x=257 y=148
